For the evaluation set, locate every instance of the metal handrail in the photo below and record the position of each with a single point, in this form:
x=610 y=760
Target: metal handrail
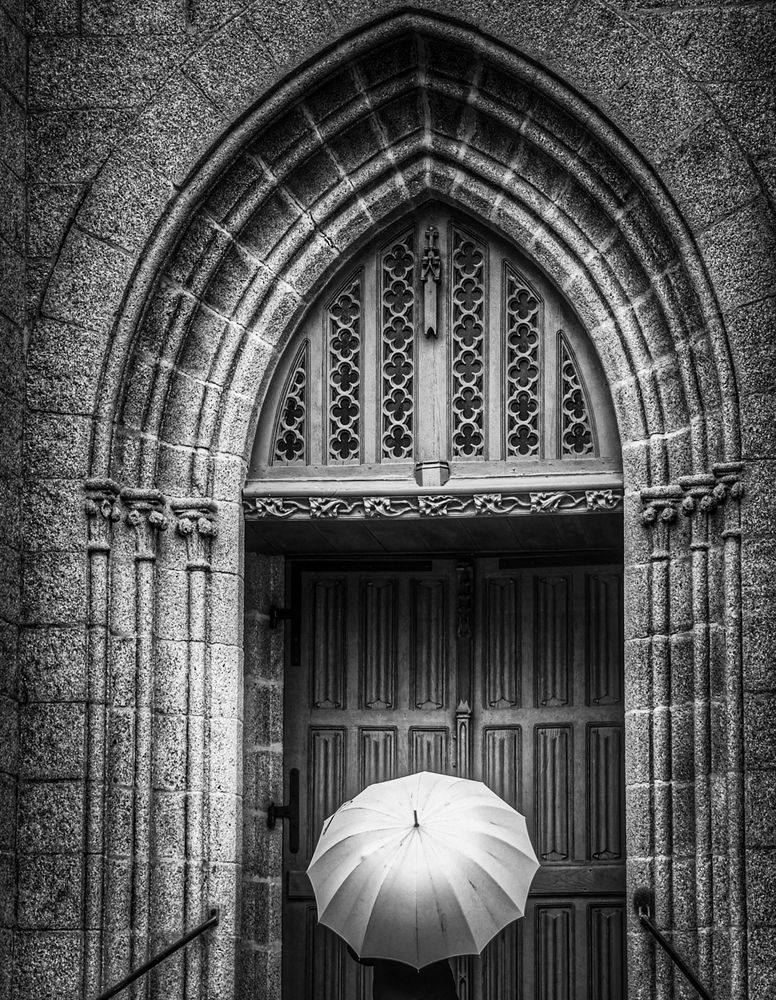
x=642 y=903
x=212 y=921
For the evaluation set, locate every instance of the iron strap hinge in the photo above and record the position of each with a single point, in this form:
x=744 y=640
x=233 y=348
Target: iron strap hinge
x=278 y=614
x=289 y=812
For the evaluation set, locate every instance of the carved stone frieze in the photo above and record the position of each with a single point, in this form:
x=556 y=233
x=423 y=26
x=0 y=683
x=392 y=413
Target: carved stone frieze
x=452 y=505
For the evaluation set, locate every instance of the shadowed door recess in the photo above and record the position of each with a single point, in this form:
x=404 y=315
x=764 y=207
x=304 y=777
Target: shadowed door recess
x=486 y=668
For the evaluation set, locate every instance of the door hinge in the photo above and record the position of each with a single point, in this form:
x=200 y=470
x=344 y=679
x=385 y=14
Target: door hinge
x=289 y=811
x=278 y=614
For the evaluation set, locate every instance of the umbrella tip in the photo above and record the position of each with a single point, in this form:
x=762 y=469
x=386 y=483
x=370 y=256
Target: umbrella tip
x=415 y=814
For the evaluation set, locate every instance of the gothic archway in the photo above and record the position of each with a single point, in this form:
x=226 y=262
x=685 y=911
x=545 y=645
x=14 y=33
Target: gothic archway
x=411 y=108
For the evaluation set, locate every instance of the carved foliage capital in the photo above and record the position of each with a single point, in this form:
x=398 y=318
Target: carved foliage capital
x=698 y=499
x=145 y=517
x=102 y=512
x=195 y=524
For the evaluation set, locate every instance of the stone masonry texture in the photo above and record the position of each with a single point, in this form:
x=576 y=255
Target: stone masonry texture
x=176 y=178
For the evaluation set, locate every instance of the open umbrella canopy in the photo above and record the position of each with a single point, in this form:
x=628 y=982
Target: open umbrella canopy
x=422 y=868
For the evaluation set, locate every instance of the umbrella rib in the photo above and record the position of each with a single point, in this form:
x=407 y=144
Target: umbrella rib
x=389 y=868
x=469 y=857
x=448 y=883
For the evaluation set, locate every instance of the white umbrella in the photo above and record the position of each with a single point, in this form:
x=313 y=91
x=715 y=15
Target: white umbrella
x=422 y=868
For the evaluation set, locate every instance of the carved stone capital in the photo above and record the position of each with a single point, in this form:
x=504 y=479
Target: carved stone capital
x=698 y=498
x=102 y=512
x=729 y=479
x=145 y=517
x=701 y=499
x=195 y=523
x=660 y=512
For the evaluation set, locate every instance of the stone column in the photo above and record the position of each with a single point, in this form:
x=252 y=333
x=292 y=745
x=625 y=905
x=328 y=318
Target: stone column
x=659 y=517
x=144 y=519
x=730 y=491
x=195 y=525
x=102 y=512
x=698 y=506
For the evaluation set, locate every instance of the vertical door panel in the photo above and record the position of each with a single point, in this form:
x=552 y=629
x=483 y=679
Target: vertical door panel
x=554 y=955
x=606 y=930
x=429 y=652
x=547 y=733
x=377 y=754
x=353 y=717
x=554 y=793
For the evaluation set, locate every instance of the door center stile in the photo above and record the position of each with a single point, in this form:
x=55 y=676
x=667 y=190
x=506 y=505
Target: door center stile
x=465 y=611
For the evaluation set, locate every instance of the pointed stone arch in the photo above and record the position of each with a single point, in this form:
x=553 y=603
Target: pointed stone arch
x=301 y=180
x=413 y=107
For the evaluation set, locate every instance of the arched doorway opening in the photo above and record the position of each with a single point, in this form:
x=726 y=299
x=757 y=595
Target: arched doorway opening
x=438 y=460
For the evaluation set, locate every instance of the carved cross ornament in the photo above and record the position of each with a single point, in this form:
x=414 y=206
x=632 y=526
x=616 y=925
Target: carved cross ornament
x=431 y=267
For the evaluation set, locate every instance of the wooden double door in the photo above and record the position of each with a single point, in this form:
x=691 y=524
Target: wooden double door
x=487 y=668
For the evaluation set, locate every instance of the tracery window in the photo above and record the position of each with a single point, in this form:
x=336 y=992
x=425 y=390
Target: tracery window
x=440 y=344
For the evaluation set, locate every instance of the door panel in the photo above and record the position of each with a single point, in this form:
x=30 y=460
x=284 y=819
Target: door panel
x=369 y=699
x=509 y=675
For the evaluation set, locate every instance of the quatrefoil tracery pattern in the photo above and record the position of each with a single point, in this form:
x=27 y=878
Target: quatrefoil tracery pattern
x=290 y=428
x=397 y=313
x=576 y=431
x=522 y=333
x=468 y=346
x=363 y=385
x=344 y=348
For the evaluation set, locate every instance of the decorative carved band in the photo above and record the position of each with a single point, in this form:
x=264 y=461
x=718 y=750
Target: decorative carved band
x=147 y=513
x=697 y=498
x=459 y=505
x=702 y=494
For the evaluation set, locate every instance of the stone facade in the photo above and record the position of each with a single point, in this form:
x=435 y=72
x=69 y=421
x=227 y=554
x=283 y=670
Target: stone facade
x=178 y=180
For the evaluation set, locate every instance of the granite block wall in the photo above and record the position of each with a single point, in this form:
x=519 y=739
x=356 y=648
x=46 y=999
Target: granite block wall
x=13 y=336
x=108 y=109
